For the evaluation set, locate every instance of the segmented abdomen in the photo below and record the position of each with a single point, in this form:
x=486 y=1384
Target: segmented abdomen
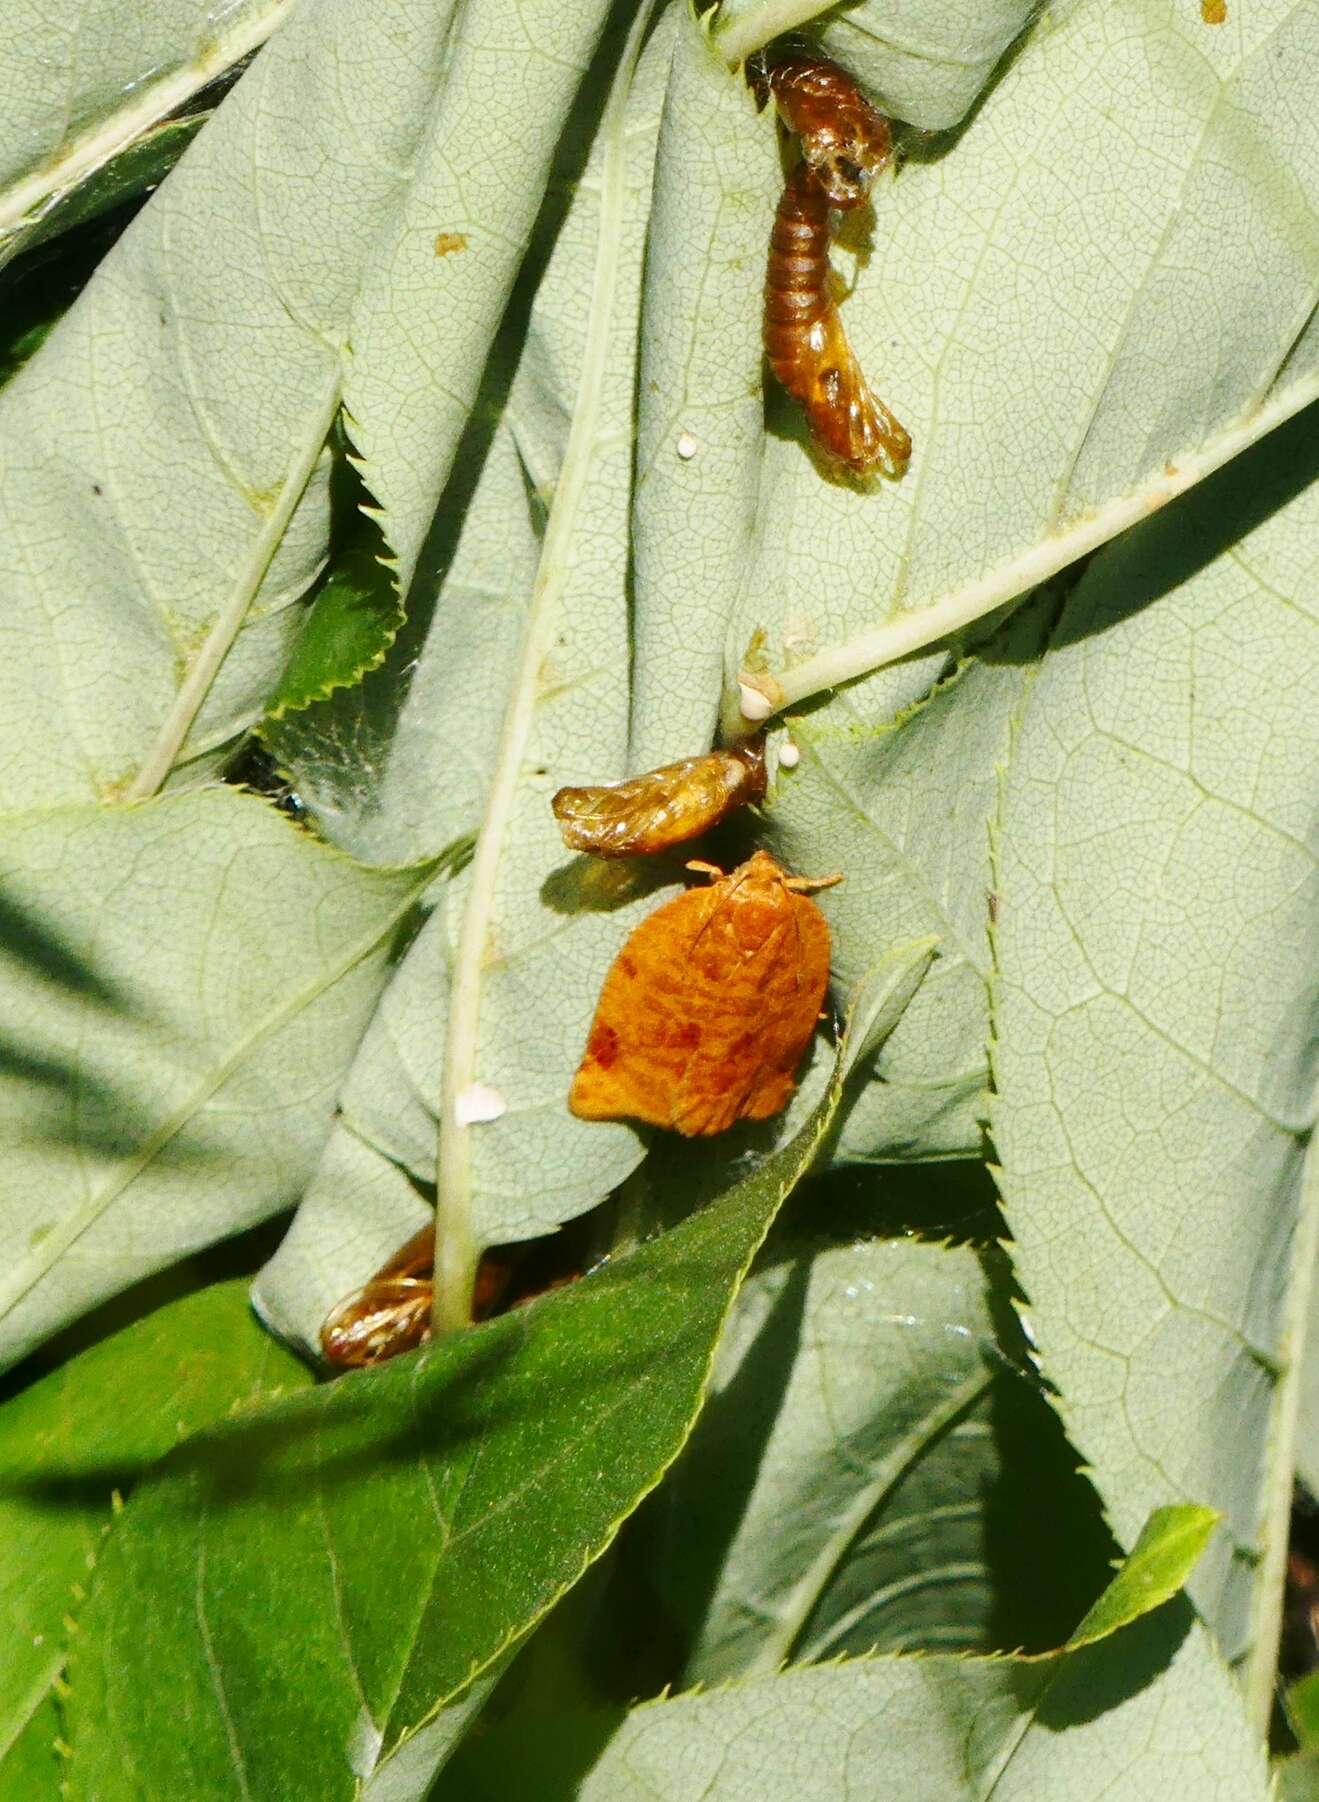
x=844 y=140
x=797 y=277
x=806 y=345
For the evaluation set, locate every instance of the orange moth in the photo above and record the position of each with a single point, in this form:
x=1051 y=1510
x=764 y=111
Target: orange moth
x=708 y=1007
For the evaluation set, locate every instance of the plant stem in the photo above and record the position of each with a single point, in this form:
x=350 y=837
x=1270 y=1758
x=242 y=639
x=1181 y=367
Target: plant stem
x=752 y=30
x=456 y=1249
x=918 y=627
x=1275 y=1525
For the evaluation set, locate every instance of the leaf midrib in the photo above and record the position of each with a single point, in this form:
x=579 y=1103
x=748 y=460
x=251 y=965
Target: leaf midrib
x=29 y=1270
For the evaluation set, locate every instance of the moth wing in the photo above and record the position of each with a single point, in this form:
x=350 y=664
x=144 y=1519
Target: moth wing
x=640 y=1040
x=757 y=1006
x=761 y=1018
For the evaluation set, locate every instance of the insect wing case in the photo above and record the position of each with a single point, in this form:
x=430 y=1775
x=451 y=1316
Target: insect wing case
x=663 y=808
x=389 y=1314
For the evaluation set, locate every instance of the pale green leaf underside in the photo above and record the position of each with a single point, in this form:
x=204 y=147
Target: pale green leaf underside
x=922 y=60
x=1154 y=1012
x=423 y=323
x=164 y=491
x=163 y=502
x=1106 y=271
x=1041 y=376
x=903 y=811
x=557 y=921
x=187 y=980
x=83 y=80
x=1017 y=1729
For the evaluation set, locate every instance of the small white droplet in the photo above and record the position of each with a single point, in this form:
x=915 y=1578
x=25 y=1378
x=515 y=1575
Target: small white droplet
x=476 y=1104
x=755 y=706
x=789 y=755
x=687 y=446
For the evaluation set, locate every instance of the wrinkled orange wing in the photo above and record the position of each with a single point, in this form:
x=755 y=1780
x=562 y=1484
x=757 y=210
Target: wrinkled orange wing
x=388 y=1315
x=763 y=988
x=662 y=808
x=707 y=1009
x=641 y=1036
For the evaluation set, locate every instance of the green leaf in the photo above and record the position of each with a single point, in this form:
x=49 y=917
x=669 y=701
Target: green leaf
x=64 y=1457
x=1298 y=1778
x=902 y=808
x=164 y=498
x=185 y=983
x=88 y=86
x=414 y=1520
x=348 y=630
x=866 y=1461
x=1301 y=1702
x=1169 y=1547
x=1155 y=1017
x=1122 y=1717
x=1046 y=306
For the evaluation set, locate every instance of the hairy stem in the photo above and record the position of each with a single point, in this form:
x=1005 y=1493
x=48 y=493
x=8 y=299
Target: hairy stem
x=920 y=627
x=456 y=1249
